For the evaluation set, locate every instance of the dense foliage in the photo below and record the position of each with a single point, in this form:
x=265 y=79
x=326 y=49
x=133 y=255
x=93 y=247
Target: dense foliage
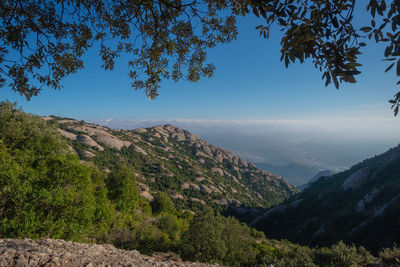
x=45 y=191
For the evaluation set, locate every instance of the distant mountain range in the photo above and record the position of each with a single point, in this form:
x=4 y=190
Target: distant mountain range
x=360 y=205
x=169 y=159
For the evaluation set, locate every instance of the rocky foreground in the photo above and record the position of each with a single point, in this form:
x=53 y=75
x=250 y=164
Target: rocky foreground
x=51 y=253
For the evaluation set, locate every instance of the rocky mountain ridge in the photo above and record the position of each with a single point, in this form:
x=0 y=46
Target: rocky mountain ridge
x=167 y=158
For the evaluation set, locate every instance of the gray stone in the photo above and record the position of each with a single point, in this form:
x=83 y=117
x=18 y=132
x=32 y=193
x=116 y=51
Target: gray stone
x=22 y=263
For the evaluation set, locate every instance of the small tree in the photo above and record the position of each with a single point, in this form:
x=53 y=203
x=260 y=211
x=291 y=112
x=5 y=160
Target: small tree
x=122 y=188
x=203 y=241
x=162 y=203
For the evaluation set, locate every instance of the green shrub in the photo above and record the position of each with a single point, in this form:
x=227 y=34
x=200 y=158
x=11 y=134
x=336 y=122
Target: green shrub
x=53 y=197
x=44 y=189
x=203 y=241
x=162 y=203
x=342 y=255
x=293 y=257
x=390 y=255
x=122 y=188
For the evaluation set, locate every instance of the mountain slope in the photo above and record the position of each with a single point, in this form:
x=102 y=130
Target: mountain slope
x=360 y=205
x=169 y=159
x=315 y=178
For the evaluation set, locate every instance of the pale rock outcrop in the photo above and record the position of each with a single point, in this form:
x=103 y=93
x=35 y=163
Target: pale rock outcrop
x=214 y=189
x=198 y=200
x=200 y=179
x=380 y=210
x=235 y=160
x=47 y=118
x=141 y=130
x=102 y=135
x=360 y=207
x=357 y=179
x=205 y=189
x=235 y=180
x=90 y=130
x=227 y=201
x=201 y=154
x=71 y=149
x=140 y=150
x=89 y=153
x=219 y=157
x=179 y=137
x=243 y=162
x=177 y=196
x=195 y=186
x=206 y=149
x=160 y=130
x=218 y=171
x=185 y=186
x=67 y=134
x=112 y=142
x=87 y=140
x=252 y=165
x=147 y=195
x=87 y=163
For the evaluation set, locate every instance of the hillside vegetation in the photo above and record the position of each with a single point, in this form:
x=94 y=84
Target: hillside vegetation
x=360 y=205
x=171 y=160
x=46 y=191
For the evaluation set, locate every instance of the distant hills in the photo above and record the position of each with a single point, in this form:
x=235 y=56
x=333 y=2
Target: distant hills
x=169 y=159
x=360 y=205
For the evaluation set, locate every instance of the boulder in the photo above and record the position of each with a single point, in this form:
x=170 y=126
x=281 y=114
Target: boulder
x=87 y=140
x=218 y=171
x=66 y=134
x=357 y=179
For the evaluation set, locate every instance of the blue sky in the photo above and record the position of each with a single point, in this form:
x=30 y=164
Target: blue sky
x=250 y=82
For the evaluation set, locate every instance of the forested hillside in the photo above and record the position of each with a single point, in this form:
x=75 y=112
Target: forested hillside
x=360 y=205
x=46 y=191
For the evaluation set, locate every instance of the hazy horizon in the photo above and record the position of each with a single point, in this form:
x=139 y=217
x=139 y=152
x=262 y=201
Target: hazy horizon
x=323 y=144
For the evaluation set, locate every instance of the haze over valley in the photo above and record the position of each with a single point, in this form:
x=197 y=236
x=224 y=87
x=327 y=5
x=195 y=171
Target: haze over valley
x=295 y=149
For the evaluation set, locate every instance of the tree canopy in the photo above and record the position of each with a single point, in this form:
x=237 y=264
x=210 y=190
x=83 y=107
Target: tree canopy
x=42 y=42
